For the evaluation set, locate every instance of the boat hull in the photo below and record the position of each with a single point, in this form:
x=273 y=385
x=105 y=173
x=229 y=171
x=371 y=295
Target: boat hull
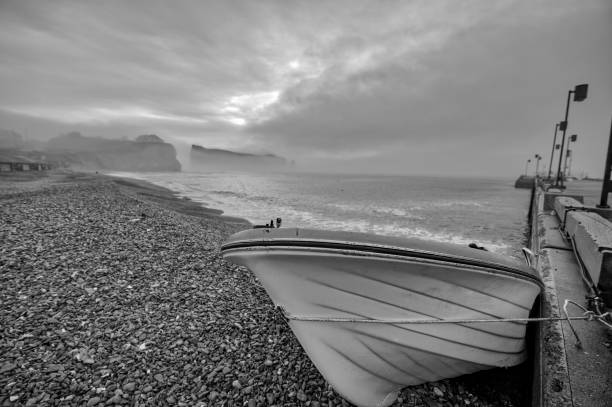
x=368 y=363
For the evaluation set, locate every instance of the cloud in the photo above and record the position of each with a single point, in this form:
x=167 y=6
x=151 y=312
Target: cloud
x=492 y=83
x=335 y=83
x=475 y=82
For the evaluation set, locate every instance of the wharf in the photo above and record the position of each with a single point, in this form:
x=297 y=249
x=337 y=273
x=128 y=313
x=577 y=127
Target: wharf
x=567 y=232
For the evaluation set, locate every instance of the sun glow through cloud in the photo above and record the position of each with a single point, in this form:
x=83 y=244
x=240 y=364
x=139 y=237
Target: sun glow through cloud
x=241 y=109
x=238 y=121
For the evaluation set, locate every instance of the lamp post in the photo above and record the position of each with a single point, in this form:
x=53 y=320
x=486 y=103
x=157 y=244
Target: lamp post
x=527 y=166
x=606 y=187
x=568 y=154
x=538 y=157
x=552 y=152
x=580 y=93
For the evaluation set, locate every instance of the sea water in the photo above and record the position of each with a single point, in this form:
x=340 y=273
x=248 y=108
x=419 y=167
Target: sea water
x=488 y=212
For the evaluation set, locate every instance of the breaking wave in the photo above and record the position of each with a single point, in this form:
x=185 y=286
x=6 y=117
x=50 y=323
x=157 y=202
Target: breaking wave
x=432 y=209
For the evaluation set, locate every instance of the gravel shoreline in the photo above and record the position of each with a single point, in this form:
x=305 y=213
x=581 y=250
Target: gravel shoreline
x=114 y=293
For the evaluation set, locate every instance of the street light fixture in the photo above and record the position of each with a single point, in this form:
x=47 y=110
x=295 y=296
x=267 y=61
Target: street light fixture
x=580 y=94
x=568 y=154
x=606 y=187
x=538 y=157
x=527 y=166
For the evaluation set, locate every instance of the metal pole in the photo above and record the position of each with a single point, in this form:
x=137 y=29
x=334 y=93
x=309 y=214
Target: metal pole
x=559 y=181
x=552 y=152
x=567 y=158
x=538 y=158
x=606 y=187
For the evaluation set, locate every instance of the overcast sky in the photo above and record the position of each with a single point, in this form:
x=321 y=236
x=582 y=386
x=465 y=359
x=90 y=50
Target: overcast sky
x=414 y=87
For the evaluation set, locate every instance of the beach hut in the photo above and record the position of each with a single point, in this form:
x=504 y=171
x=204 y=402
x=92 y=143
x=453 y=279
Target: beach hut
x=12 y=162
x=26 y=163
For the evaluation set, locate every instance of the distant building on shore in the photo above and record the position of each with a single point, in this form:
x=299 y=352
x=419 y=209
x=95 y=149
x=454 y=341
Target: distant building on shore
x=13 y=162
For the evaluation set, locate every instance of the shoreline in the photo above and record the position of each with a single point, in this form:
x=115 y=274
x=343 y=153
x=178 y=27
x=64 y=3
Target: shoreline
x=403 y=218
x=102 y=305
x=145 y=190
x=170 y=199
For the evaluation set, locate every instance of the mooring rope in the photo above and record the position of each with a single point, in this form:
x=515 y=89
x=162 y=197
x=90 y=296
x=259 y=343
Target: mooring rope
x=586 y=316
x=591 y=316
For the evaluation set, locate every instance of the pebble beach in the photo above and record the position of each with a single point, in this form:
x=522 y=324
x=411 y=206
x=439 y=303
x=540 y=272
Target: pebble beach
x=114 y=293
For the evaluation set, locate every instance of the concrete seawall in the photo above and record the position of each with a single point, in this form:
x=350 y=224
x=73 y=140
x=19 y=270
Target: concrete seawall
x=572 y=244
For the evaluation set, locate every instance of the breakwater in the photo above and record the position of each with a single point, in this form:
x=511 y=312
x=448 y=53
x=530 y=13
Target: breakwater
x=570 y=239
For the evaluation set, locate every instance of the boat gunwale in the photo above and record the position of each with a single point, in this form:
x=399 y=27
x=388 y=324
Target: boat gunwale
x=382 y=251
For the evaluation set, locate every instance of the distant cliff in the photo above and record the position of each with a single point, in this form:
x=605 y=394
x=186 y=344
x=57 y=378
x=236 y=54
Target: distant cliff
x=146 y=153
x=213 y=159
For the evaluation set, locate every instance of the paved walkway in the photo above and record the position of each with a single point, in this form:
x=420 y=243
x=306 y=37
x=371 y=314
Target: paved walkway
x=573 y=376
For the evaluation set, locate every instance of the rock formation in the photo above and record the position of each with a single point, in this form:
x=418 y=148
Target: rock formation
x=213 y=159
x=148 y=138
x=146 y=153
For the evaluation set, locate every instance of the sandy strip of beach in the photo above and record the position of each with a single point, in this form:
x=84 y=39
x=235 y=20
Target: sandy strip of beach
x=114 y=293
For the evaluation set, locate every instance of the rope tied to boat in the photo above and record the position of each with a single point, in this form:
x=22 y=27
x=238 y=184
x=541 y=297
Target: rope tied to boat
x=587 y=315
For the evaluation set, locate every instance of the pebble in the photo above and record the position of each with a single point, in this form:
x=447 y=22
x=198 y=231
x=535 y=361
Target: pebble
x=7 y=367
x=301 y=396
x=93 y=401
x=129 y=386
x=54 y=367
x=32 y=401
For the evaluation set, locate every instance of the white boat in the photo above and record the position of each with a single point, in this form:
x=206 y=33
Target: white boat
x=368 y=309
